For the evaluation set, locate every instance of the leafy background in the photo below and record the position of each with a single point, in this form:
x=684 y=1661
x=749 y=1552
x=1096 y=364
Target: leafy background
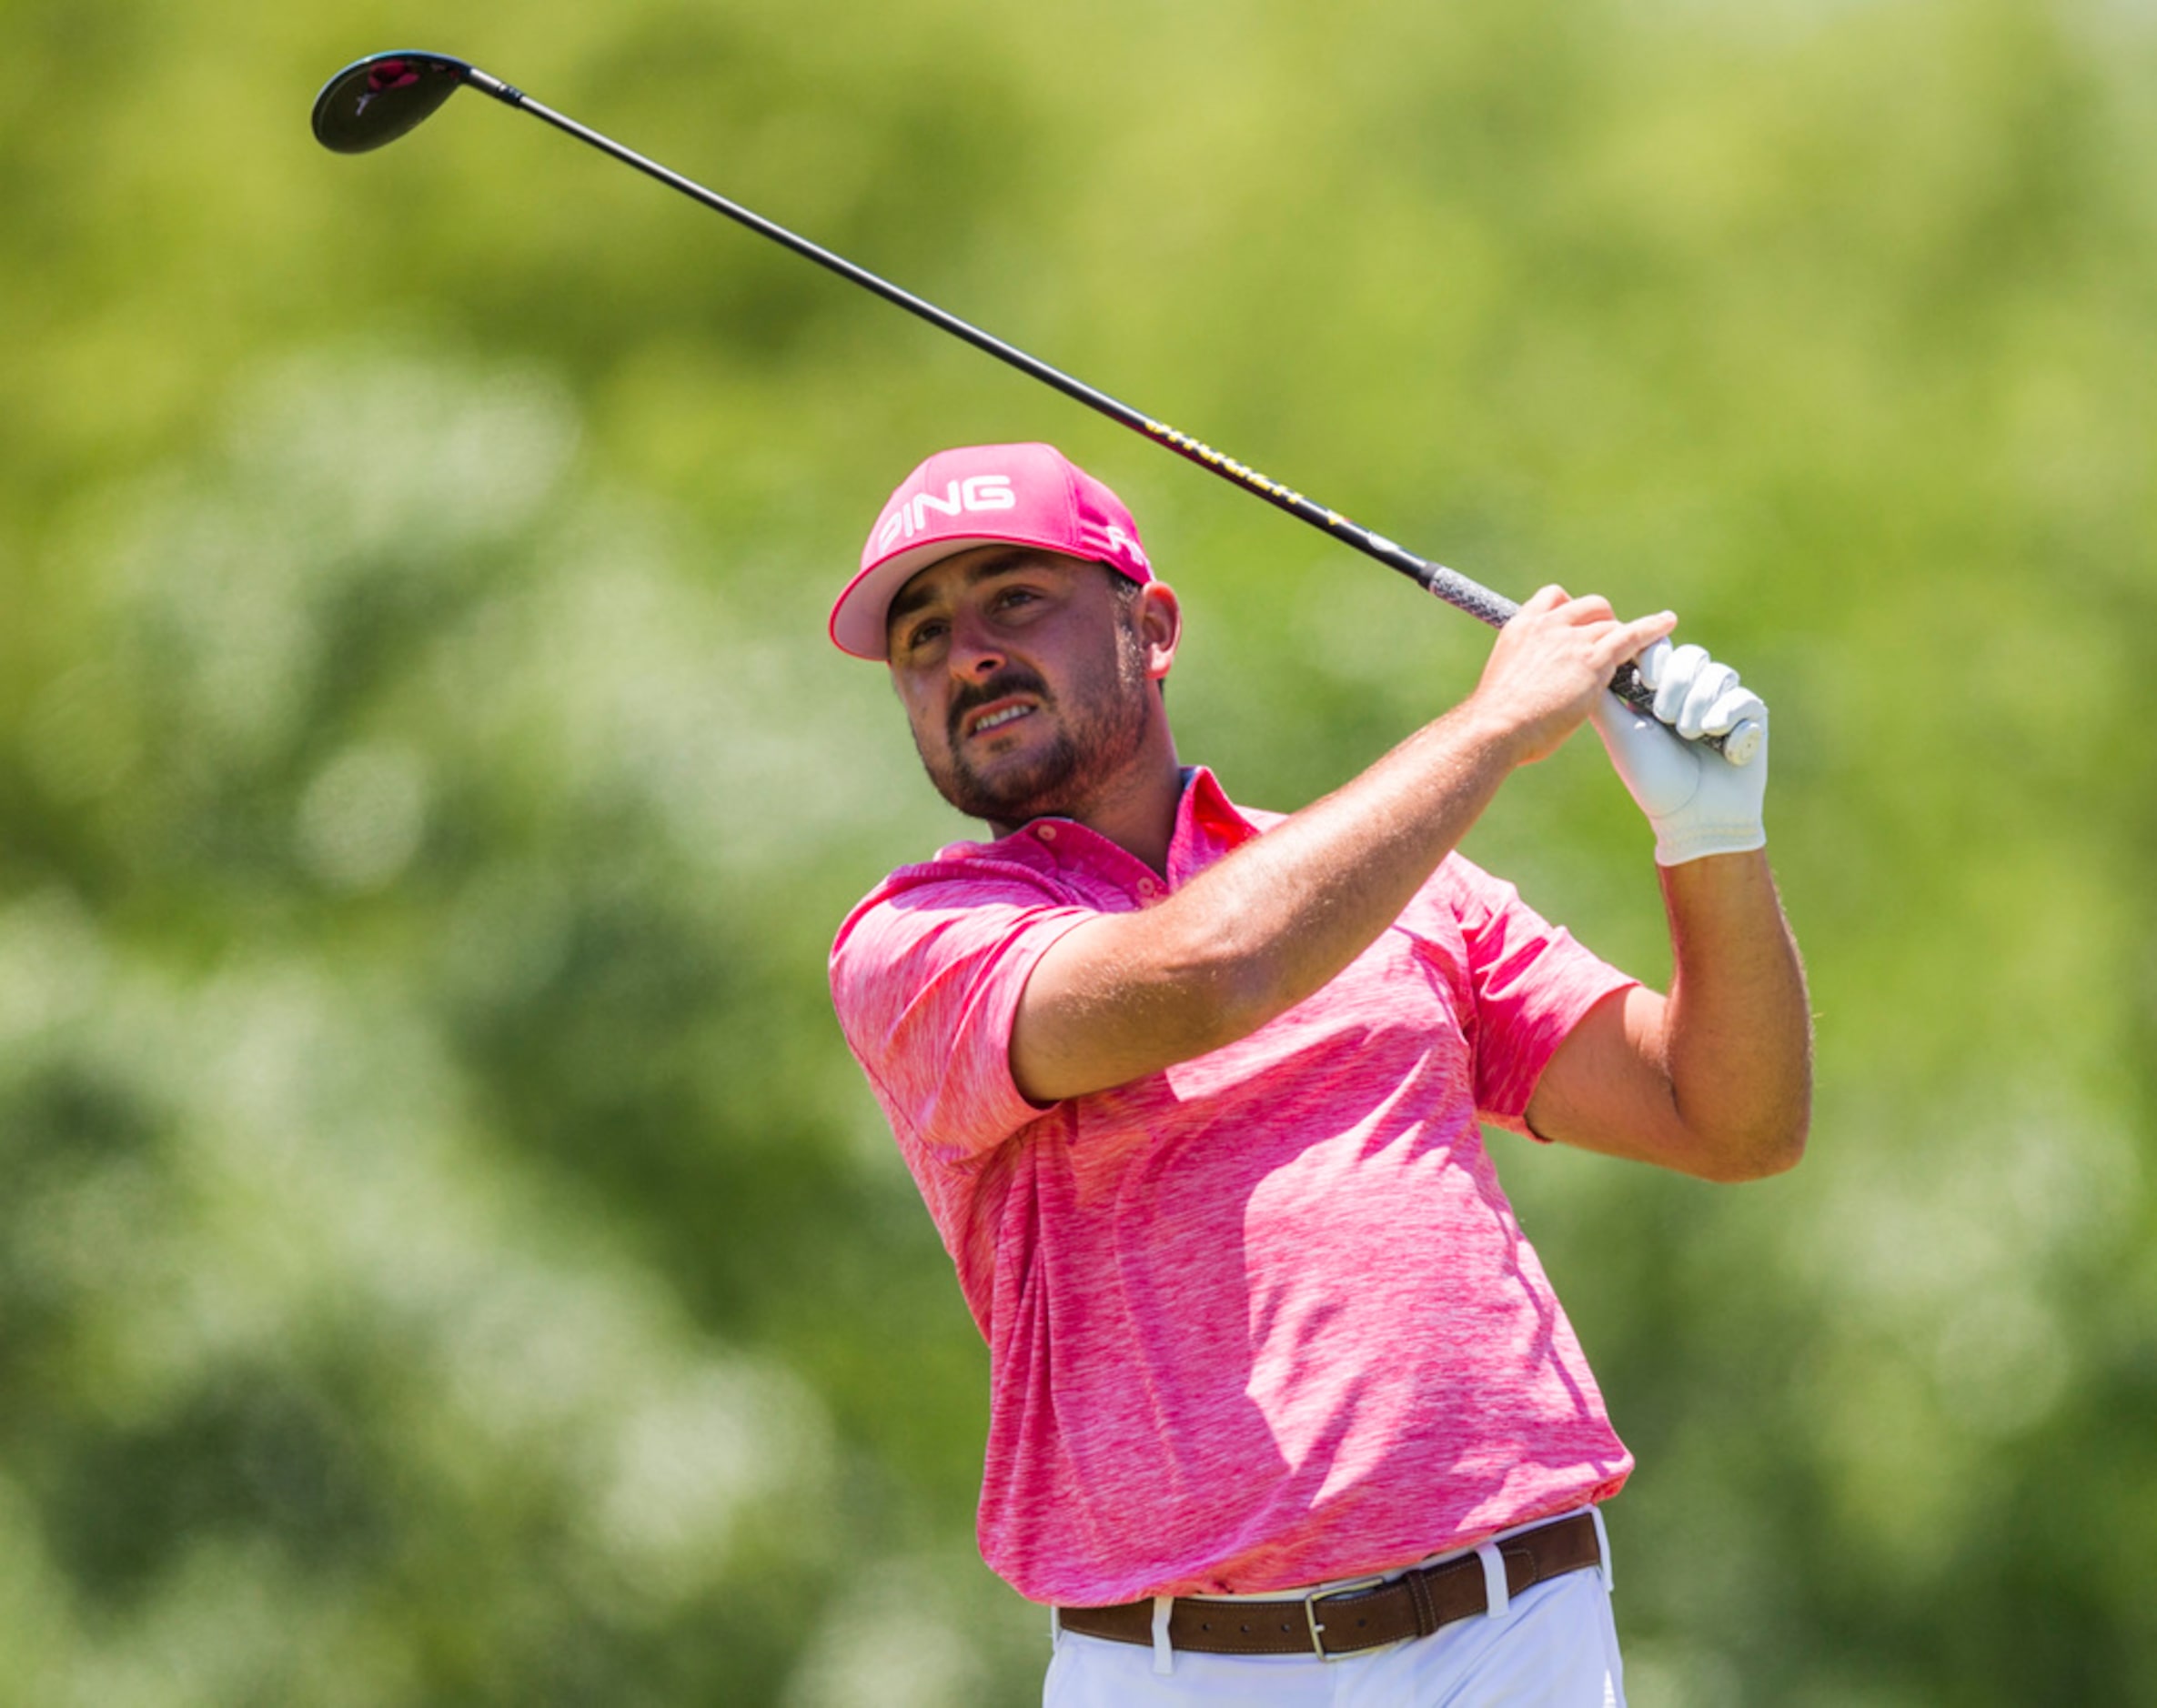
x=446 y=1254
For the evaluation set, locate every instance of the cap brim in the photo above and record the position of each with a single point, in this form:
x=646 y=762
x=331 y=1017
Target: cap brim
x=858 y=623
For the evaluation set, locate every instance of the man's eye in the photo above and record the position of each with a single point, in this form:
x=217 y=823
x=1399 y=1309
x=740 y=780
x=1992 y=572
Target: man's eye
x=926 y=634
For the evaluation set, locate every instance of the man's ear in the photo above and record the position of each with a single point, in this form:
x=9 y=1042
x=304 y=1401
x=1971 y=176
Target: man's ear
x=1160 y=625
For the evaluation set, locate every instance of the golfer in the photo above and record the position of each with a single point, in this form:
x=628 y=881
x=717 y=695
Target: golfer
x=1193 y=1093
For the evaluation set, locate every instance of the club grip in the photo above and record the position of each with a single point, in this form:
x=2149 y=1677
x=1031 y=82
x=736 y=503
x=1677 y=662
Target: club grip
x=1629 y=686
x=1495 y=608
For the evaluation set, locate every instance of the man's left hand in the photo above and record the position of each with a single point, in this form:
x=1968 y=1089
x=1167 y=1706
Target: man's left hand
x=1697 y=801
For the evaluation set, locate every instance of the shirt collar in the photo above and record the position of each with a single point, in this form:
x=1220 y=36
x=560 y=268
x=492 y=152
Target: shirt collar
x=1208 y=825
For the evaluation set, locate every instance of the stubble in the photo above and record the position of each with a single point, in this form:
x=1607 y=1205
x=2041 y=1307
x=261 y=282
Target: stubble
x=1101 y=726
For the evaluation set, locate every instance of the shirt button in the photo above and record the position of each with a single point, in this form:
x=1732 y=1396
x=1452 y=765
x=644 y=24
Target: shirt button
x=1046 y=832
x=1147 y=887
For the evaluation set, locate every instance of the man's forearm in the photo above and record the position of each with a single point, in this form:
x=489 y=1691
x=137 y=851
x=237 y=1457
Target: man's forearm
x=1287 y=911
x=1262 y=928
x=1125 y=996
x=1737 y=1032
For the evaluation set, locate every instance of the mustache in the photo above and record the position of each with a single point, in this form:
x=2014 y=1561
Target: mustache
x=1011 y=680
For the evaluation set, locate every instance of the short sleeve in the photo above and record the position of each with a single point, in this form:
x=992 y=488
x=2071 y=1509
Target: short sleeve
x=926 y=976
x=1530 y=982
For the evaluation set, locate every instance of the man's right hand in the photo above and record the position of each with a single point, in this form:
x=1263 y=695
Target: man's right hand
x=1549 y=666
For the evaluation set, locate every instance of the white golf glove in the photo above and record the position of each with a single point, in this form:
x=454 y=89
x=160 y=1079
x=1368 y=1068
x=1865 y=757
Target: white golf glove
x=1697 y=801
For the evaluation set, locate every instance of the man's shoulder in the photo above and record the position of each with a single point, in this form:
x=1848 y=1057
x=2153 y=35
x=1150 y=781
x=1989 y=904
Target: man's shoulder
x=985 y=866
x=1012 y=871
x=945 y=935
x=1458 y=897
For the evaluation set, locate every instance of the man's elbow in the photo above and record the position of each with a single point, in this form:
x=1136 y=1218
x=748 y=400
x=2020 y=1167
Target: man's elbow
x=1757 y=1152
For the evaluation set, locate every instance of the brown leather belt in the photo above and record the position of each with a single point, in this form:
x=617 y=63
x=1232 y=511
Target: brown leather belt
x=1358 y=1617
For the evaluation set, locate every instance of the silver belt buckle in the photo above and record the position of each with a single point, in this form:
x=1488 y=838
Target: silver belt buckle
x=1310 y=1614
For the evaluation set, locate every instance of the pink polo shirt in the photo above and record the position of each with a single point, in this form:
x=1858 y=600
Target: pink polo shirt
x=1266 y=1318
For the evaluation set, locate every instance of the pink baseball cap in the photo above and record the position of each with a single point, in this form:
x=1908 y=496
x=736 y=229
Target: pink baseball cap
x=982 y=494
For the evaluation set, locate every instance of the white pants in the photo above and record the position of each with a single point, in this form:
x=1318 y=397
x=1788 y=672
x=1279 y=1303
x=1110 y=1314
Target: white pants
x=1555 y=1647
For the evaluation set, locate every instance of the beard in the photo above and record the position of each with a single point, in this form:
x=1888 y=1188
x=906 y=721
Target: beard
x=1098 y=730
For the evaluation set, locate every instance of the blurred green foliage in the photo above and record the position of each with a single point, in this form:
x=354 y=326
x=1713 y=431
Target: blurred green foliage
x=446 y=1255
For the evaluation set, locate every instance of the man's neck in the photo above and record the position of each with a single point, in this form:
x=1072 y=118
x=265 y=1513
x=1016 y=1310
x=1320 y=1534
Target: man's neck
x=1138 y=812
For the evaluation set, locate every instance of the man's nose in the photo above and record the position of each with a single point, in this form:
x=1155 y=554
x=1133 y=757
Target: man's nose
x=975 y=652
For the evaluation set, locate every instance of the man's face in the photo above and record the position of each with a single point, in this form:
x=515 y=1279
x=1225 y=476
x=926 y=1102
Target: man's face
x=1025 y=679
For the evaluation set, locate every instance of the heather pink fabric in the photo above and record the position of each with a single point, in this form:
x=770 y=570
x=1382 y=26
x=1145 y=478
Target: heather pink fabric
x=1265 y=1319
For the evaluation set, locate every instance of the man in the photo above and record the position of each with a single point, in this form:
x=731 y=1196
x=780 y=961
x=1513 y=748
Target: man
x=1193 y=1093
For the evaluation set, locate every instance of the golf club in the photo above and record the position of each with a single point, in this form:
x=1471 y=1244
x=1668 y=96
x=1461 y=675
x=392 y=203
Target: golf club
x=377 y=99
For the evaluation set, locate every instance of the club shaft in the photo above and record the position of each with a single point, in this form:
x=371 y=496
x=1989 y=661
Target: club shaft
x=1455 y=590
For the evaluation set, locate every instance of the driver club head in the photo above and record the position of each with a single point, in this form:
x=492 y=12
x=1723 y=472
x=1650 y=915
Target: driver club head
x=377 y=99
